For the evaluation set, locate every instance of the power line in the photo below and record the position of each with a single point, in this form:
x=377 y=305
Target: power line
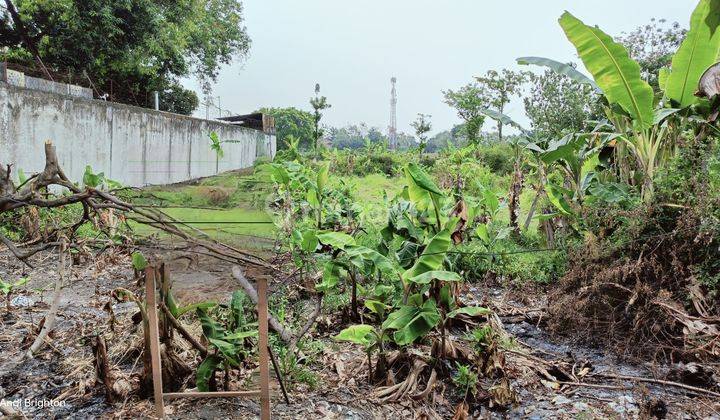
x=208 y=222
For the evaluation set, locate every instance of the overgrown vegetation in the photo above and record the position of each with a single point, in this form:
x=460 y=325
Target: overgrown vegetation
x=609 y=202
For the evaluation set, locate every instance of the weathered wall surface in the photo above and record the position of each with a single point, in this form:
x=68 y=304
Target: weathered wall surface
x=132 y=145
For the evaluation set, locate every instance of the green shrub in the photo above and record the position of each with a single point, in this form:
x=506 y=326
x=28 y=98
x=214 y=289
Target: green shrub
x=499 y=157
x=362 y=162
x=511 y=263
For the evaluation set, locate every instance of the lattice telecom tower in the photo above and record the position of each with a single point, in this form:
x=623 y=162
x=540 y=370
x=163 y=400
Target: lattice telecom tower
x=392 y=130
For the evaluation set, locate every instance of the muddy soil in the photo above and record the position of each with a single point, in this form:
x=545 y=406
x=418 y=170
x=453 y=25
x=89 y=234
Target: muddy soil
x=60 y=381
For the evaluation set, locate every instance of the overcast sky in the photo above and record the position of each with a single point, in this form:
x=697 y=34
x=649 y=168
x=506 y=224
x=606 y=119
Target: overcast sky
x=352 y=48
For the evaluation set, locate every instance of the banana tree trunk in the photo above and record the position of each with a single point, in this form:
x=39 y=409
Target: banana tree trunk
x=531 y=213
x=540 y=193
x=514 y=199
x=549 y=232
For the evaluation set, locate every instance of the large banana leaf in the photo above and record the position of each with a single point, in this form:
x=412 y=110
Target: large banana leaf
x=434 y=254
x=502 y=118
x=421 y=189
x=560 y=68
x=412 y=322
x=441 y=275
x=698 y=51
x=210 y=327
x=338 y=240
x=368 y=260
x=612 y=68
x=323 y=176
x=358 y=334
x=422 y=179
x=205 y=371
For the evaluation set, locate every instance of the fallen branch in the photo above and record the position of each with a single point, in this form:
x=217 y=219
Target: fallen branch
x=51 y=314
x=183 y=332
x=285 y=334
x=308 y=324
x=590 y=385
x=659 y=382
x=37 y=193
x=23 y=256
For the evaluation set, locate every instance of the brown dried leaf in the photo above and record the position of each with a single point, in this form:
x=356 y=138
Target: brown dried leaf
x=461 y=412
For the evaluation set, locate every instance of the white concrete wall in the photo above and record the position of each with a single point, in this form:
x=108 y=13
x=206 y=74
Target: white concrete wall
x=132 y=145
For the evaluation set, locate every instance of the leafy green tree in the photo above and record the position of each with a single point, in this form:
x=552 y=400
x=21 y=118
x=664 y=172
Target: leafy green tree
x=653 y=46
x=496 y=90
x=128 y=48
x=355 y=136
x=319 y=104
x=422 y=126
x=557 y=105
x=292 y=122
x=178 y=100
x=468 y=104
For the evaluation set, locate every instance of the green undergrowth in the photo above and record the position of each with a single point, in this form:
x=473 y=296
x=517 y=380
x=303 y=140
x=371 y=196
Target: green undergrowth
x=511 y=263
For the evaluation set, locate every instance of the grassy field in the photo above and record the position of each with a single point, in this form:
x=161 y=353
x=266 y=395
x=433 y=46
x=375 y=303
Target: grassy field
x=369 y=193
x=229 y=207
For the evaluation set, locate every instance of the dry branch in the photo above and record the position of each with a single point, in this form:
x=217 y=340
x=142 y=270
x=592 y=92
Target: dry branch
x=285 y=334
x=51 y=314
x=308 y=324
x=36 y=193
x=183 y=332
x=689 y=388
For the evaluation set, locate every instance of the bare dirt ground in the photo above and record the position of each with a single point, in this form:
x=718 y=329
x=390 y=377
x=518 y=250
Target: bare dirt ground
x=63 y=376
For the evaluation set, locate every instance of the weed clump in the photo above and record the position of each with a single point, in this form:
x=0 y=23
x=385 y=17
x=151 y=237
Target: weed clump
x=646 y=280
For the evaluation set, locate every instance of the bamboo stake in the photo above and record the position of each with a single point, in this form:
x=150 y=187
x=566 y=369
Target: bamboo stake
x=264 y=362
x=154 y=341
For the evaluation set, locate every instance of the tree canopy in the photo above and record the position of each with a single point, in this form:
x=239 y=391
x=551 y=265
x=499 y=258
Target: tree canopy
x=557 y=105
x=292 y=122
x=468 y=104
x=128 y=48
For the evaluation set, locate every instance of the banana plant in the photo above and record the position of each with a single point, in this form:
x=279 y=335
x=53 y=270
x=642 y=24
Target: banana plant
x=349 y=260
x=631 y=108
x=578 y=156
x=316 y=192
x=370 y=337
x=423 y=192
x=528 y=141
x=227 y=336
x=418 y=316
x=402 y=216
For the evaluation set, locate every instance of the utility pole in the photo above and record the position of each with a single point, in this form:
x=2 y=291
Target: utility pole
x=392 y=130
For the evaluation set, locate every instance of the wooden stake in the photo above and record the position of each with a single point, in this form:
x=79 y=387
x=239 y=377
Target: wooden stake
x=151 y=275
x=151 y=308
x=263 y=344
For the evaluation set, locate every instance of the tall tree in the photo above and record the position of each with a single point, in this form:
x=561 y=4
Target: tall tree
x=319 y=104
x=128 y=48
x=468 y=105
x=422 y=126
x=292 y=122
x=653 y=46
x=497 y=89
x=557 y=105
